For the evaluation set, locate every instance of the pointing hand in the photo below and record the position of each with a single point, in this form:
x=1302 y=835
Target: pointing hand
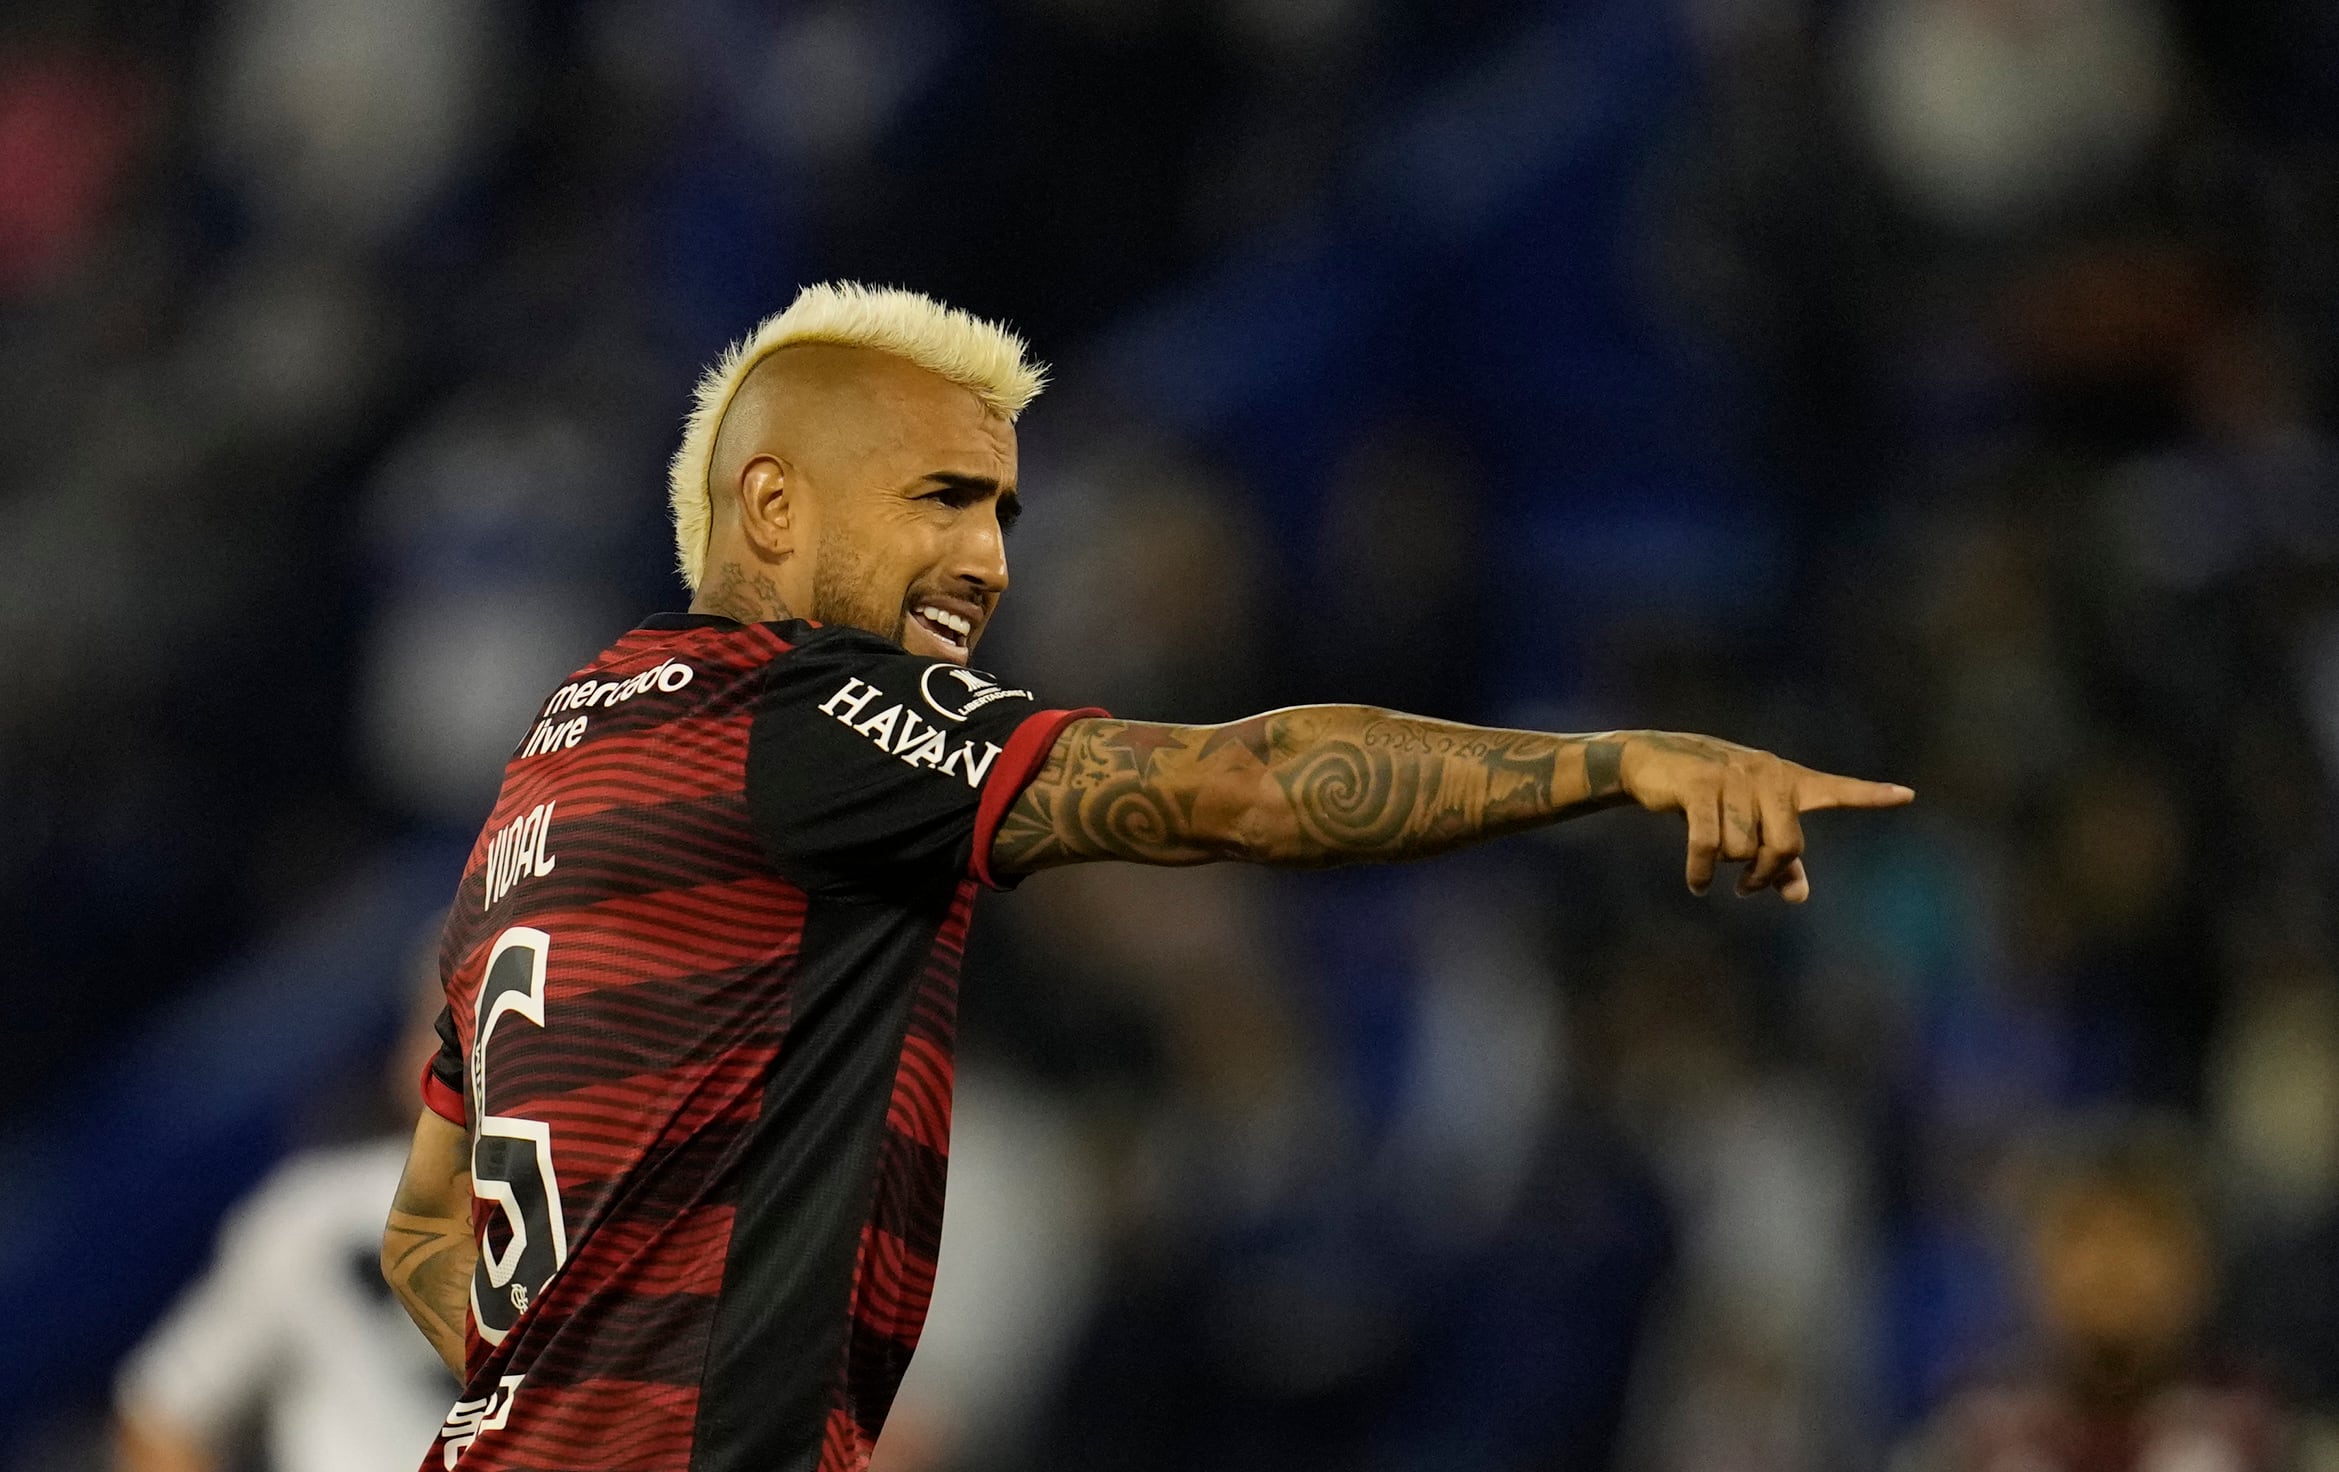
x=1742 y=805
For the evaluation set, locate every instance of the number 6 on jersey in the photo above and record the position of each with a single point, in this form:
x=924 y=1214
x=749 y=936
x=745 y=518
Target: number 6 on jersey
x=511 y=1158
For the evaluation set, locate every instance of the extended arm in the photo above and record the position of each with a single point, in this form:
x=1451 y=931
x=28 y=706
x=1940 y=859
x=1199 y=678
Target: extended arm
x=1335 y=784
x=427 y=1249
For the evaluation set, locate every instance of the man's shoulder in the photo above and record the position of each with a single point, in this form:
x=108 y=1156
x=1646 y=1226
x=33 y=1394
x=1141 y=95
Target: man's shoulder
x=671 y=631
x=835 y=640
x=774 y=638
x=832 y=658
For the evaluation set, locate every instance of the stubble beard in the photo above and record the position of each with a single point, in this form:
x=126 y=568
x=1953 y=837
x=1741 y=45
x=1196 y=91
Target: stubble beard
x=842 y=592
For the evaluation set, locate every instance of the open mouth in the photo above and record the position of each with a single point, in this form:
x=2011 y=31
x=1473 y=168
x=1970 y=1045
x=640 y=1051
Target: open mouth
x=951 y=634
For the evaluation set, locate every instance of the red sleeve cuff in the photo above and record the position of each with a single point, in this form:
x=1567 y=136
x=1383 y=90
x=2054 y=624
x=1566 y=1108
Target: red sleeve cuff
x=440 y=1100
x=1026 y=750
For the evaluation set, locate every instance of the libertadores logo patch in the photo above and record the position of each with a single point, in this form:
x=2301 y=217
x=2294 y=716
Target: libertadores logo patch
x=955 y=692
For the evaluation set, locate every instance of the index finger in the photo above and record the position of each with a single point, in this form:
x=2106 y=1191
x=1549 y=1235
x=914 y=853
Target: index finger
x=1815 y=791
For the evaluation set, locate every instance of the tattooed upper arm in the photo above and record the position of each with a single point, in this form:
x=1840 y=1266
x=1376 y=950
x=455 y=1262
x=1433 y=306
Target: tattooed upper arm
x=1131 y=790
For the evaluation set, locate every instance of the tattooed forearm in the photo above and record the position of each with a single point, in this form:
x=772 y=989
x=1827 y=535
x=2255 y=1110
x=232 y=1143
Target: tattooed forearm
x=1308 y=786
x=1394 y=787
x=1603 y=768
x=428 y=1264
x=427 y=1249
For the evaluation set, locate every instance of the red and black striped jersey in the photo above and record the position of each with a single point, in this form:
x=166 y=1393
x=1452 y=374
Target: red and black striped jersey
x=701 y=979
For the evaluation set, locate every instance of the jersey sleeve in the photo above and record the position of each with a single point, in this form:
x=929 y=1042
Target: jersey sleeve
x=870 y=768
x=442 y=1077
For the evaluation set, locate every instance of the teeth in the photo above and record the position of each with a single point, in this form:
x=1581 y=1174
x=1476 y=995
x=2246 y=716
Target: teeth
x=948 y=620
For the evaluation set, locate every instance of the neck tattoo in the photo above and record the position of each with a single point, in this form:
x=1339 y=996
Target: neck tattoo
x=736 y=593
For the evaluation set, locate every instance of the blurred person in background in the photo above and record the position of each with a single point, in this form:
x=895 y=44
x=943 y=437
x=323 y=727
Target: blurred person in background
x=1012 y=1284
x=758 y=891
x=292 y=1333
x=2274 y=1113
x=2118 y=1265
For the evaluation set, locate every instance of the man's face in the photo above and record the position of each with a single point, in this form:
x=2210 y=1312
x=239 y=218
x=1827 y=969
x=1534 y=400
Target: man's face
x=911 y=527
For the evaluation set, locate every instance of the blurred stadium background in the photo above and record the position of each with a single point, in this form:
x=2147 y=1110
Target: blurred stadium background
x=1938 y=390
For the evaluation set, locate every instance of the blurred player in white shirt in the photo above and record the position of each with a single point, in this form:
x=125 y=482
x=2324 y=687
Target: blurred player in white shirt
x=291 y=1333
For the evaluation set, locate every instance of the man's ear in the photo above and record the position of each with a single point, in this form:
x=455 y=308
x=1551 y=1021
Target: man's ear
x=768 y=497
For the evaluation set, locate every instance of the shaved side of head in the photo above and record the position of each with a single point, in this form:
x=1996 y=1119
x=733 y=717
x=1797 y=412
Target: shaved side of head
x=817 y=408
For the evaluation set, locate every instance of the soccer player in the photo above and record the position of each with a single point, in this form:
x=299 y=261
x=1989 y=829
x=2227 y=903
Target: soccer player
x=675 y=1199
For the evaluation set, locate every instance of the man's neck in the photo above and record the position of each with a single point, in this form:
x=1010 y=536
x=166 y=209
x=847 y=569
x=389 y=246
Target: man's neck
x=736 y=592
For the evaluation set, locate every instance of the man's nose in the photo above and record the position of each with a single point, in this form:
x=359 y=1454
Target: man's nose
x=981 y=553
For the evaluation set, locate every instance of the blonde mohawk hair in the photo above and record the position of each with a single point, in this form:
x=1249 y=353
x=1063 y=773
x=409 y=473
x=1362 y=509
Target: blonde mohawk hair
x=980 y=356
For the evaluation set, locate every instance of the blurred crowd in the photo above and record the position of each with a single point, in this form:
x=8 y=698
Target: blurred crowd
x=1936 y=390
